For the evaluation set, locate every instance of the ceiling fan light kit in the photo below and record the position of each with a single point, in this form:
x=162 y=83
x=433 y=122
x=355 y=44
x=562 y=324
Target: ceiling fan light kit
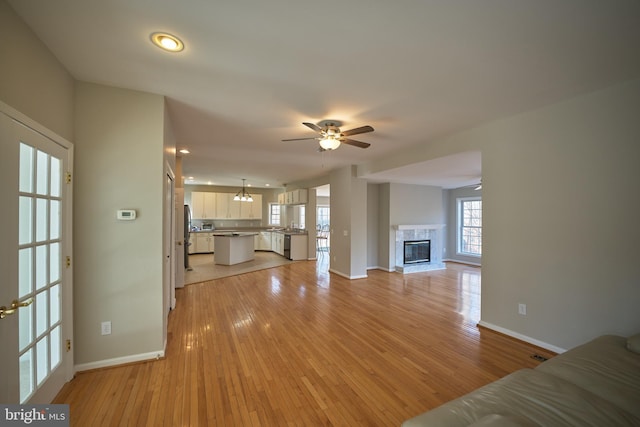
x=331 y=137
x=329 y=143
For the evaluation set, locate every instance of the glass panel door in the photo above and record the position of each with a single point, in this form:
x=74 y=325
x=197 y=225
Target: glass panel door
x=40 y=264
x=35 y=291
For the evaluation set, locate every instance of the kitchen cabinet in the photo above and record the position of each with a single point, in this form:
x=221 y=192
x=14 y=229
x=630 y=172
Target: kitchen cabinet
x=263 y=241
x=299 y=246
x=203 y=205
x=252 y=210
x=207 y=205
x=204 y=243
x=299 y=196
x=226 y=207
x=277 y=243
x=295 y=197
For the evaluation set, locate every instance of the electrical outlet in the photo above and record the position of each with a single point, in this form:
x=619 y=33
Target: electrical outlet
x=522 y=309
x=106 y=328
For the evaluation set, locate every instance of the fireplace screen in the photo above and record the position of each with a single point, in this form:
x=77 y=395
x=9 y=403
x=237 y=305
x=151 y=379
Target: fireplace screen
x=416 y=251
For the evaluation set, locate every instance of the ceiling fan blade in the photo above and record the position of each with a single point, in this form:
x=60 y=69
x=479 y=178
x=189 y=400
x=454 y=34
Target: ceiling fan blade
x=313 y=126
x=354 y=143
x=361 y=129
x=298 y=139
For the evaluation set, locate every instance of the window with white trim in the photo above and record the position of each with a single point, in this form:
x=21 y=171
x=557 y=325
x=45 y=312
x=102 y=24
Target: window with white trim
x=274 y=214
x=303 y=218
x=322 y=216
x=470 y=226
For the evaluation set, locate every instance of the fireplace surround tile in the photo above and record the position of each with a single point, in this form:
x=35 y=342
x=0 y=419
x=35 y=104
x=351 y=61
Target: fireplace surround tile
x=433 y=232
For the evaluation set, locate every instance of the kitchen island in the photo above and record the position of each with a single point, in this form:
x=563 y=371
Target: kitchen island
x=233 y=248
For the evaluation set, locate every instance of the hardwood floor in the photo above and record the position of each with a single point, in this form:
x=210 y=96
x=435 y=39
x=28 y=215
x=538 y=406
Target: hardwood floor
x=295 y=345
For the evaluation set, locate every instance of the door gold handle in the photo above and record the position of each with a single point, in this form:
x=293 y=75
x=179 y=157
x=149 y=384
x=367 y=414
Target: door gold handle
x=15 y=305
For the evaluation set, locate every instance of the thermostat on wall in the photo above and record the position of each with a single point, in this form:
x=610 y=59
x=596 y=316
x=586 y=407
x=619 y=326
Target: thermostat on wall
x=126 y=214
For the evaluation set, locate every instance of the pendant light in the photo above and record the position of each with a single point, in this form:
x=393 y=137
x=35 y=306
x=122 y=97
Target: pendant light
x=242 y=195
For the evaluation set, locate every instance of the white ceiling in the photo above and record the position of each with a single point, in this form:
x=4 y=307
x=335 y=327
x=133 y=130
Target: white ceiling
x=253 y=71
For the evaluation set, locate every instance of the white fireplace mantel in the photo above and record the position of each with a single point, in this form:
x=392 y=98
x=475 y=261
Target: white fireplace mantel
x=419 y=227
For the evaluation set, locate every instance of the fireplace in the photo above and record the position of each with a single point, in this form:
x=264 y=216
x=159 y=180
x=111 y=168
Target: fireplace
x=417 y=251
x=419 y=247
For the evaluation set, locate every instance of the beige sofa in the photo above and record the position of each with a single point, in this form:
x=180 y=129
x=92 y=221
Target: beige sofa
x=596 y=384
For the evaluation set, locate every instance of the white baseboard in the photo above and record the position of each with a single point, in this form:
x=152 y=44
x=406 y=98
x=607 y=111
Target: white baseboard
x=119 y=361
x=475 y=264
x=377 y=267
x=347 y=276
x=521 y=337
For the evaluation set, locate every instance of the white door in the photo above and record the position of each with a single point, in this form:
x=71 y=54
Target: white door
x=35 y=284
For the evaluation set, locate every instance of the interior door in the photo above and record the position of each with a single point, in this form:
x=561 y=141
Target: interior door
x=35 y=287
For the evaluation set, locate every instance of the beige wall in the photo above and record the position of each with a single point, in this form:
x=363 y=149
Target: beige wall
x=32 y=80
x=118 y=264
x=348 y=223
x=560 y=202
x=560 y=207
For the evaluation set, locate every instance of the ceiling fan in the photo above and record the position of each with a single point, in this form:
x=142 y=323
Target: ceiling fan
x=330 y=135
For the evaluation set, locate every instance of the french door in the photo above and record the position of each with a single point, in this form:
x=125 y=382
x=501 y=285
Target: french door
x=35 y=257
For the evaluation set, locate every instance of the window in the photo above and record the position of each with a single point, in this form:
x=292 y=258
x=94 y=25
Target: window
x=322 y=216
x=274 y=214
x=470 y=226
x=303 y=220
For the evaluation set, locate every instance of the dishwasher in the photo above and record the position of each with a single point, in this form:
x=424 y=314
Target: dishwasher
x=287 y=246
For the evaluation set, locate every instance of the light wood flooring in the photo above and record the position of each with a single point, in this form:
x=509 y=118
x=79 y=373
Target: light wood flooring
x=295 y=345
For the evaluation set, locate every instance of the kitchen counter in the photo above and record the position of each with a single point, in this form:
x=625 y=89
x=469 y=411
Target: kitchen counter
x=233 y=247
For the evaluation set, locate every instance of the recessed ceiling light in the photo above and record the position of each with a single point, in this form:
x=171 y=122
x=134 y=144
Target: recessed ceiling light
x=267 y=185
x=185 y=151
x=167 y=42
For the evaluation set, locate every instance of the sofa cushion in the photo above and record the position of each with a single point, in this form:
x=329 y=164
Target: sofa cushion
x=633 y=343
x=498 y=420
x=604 y=367
x=532 y=396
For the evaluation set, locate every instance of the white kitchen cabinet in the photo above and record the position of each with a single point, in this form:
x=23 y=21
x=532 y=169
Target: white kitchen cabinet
x=277 y=243
x=295 y=197
x=299 y=196
x=234 y=207
x=263 y=241
x=204 y=243
x=252 y=210
x=203 y=205
x=222 y=205
x=299 y=247
x=226 y=207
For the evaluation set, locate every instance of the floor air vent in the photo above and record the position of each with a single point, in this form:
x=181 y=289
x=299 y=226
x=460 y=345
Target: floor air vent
x=538 y=357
